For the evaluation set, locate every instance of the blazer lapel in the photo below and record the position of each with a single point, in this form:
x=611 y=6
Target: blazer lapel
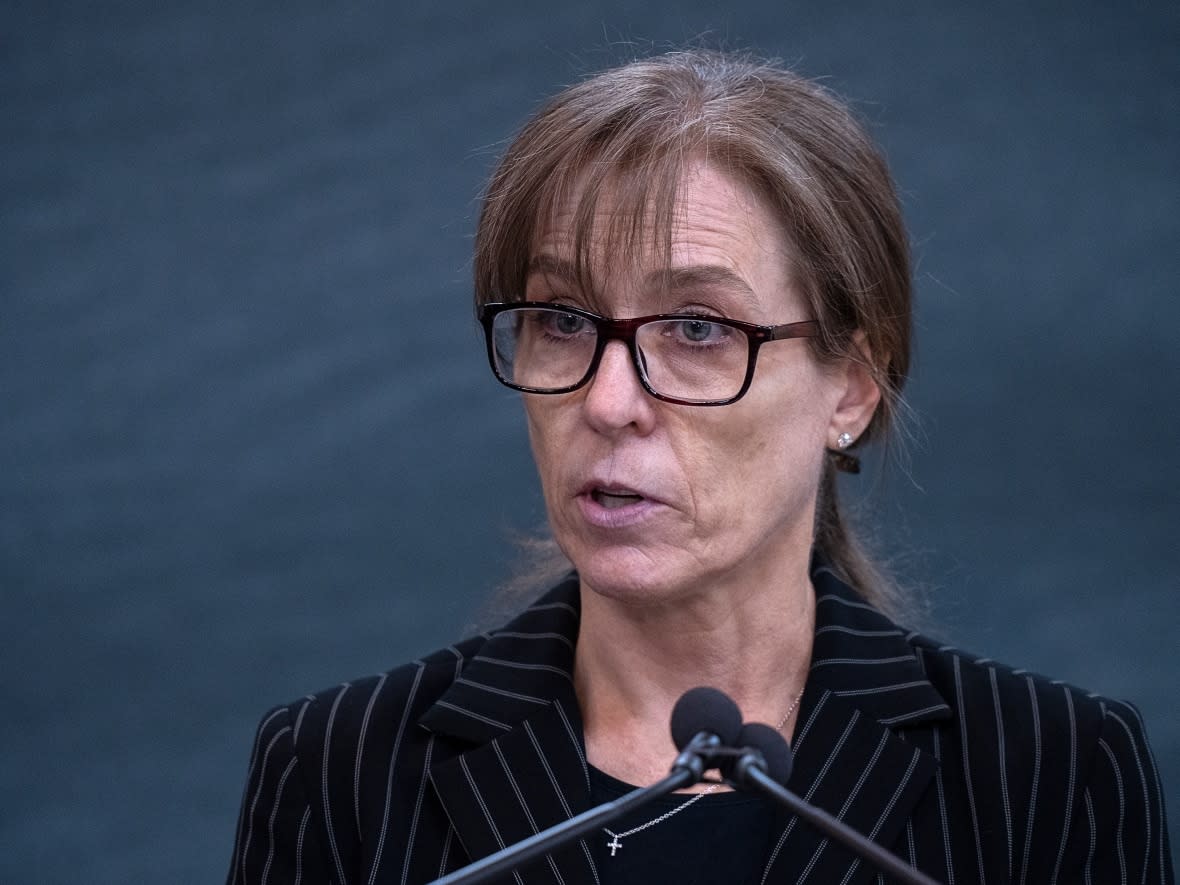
x=514 y=701
x=865 y=688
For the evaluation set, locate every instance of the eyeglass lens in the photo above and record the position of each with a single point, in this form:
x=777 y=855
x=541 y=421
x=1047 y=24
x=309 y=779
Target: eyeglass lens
x=689 y=358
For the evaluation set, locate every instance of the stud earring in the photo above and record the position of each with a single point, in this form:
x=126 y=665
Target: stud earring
x=844 y=440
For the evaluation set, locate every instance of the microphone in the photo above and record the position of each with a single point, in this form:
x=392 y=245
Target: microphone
x=705 y=709
x=764 y=747
x=763 y=765
x=704 y=720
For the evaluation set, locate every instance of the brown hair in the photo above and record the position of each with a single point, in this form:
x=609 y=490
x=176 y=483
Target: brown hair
x=632 y=128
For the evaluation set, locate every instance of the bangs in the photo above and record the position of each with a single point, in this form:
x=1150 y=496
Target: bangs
x=604 y=159
x=615 y=214
x=614 y=197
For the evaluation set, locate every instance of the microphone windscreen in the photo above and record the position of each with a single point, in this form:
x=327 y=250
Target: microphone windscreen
x=705 y=709
x=772 y=745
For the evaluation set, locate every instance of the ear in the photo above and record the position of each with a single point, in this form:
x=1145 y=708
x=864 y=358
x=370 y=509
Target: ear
x=859 y=394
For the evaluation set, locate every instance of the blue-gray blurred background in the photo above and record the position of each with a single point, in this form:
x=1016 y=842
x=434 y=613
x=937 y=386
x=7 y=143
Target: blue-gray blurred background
x=249 y=446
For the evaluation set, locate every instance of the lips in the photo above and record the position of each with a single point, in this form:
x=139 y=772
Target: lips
x=611 y=504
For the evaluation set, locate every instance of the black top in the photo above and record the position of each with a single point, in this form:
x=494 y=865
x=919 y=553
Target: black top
x=721 y=839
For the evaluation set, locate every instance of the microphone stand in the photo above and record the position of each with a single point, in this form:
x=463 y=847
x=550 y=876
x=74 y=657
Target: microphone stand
x=750 y=774
x=686 y=771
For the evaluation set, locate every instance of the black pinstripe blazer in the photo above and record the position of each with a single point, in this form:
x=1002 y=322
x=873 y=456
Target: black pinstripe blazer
x=971 y=771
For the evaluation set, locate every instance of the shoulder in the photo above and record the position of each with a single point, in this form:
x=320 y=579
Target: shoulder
x=341 y=769
x=971 y=682
x=1068 y=773
x=1030 y=714
x=1031 y=707
x=389 y=706
x=325 y=756
x=365 y=708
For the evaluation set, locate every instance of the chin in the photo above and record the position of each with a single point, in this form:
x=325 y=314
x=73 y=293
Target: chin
x=631 y=576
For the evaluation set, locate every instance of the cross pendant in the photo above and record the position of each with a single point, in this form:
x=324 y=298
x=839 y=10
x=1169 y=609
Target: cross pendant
x=614 y=845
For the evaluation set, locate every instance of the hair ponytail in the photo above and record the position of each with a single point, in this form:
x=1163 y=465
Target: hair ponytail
x=840 y=547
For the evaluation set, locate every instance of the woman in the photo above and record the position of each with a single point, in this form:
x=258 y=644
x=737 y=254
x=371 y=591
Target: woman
x=694 y=267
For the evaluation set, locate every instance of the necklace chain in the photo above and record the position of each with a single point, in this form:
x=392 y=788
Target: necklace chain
x=616 y=838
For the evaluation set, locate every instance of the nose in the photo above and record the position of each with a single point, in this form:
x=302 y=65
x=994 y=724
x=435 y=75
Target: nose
x=615 y=398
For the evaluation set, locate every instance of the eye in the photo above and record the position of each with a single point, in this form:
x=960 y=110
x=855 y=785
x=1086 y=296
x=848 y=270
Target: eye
x=568 y=323
x=556 y=324
x=699 y=331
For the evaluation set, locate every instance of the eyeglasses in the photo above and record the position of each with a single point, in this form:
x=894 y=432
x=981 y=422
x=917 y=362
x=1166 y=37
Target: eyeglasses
x=689 y=359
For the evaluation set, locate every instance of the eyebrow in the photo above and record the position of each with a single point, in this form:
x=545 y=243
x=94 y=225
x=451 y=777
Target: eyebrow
x=550 y=265
x=702 y=276
x=670 y=279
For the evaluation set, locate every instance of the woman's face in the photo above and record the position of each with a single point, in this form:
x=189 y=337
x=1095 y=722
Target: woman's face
x=653 y=501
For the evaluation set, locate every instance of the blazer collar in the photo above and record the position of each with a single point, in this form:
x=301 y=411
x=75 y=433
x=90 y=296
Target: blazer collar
x=514 y=703
x=864 y=657
x=865 y=688
x=518 y=671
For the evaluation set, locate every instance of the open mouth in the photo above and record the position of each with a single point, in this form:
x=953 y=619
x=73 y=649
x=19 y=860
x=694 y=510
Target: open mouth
x=614 y=498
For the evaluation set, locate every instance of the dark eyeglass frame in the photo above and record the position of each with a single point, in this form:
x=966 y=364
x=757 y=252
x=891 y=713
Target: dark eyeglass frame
x=608 y=329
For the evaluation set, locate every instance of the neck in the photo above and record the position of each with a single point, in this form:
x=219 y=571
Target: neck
x=634 y=661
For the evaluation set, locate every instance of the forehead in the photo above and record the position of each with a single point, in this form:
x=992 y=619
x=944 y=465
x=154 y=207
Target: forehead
x=710 y=231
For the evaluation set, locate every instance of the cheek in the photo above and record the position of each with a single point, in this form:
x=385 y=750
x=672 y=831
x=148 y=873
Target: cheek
x=768 y=457
x=723 y=462
x=539 y=436
x=771 y=487
x=544 y=423
x=796 y=401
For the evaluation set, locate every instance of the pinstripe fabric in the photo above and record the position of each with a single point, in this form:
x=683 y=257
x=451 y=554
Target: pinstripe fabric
x=972 y=771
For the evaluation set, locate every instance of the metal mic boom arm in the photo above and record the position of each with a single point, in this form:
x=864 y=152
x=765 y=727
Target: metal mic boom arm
x=750 y=774
x=553 y=838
